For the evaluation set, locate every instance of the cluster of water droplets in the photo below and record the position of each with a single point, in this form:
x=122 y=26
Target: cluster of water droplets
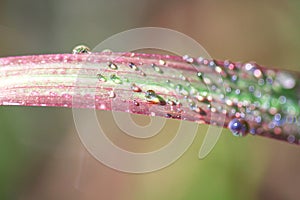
x=254 y=99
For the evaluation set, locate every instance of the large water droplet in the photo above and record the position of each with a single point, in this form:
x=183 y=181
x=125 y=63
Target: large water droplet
x=152 y=97
x=81 y=49
x=238 y=127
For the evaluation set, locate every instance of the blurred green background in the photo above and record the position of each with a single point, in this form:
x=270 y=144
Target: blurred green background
x=41 y=156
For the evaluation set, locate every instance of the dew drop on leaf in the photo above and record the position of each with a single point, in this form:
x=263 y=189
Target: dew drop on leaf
x=238 y=127
x=112 y=65
x=116 y=79
x=81 y=49
x=152 y=97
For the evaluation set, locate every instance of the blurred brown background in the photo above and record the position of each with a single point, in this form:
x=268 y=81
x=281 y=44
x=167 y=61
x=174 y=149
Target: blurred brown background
x=41 y=156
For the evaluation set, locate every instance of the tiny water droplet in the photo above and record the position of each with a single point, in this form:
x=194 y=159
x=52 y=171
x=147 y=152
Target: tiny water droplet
x=286 y=80
x=257 y=73
x=238 y=127
x=156 y=68
x=116 y=79
x=197 y=109
x=135 y=88
x=188 y=59
x=181 y=90
x=182 y=77
x=162 y=62
x=112 y=94
x=171 y=102
x=81 y=49
x=170 y=83
x=168 y=115
x=112 y=65
x=152 y=97
x=136 y=103
x=143 y=73
x=101 y=78
x=133 y=66
x=106 y=51
x=218 y=69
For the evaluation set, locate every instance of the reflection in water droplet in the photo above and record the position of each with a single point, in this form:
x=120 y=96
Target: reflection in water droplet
x=81 y=49
x=116 y=79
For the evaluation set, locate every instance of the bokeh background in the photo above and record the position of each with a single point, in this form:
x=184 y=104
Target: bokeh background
x=41 y=156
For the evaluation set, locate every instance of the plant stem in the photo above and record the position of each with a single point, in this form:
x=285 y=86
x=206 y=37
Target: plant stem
x=251 y=98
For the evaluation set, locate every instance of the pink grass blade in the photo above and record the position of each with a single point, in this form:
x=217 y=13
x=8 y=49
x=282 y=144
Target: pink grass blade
x=253 y=99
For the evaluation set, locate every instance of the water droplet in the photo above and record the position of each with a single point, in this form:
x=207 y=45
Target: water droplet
x=81 y=49
x=257 y=73
x=136 y=103
x=197 y=109
x=207 y=81
x=286 y=80
x=135 y=88
x=112 y=65
x=234 y=78
x=200 y=75
x=171 y=102
x=238 y=127
x=143 y=73
x=162 y=62
x=199 y=97
x=282 y=99
x=181 y=90
x=101 y=78
x=182 y=77
x=106 y=51
x=170 y=83
x=116 y=79
x=152 y=97
x=111 y=94
x=188 y=59
x=218 y=69
x=133 y=66
x=249 y=66
x=168 y=115
x=291 y=138
x=156 y=68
